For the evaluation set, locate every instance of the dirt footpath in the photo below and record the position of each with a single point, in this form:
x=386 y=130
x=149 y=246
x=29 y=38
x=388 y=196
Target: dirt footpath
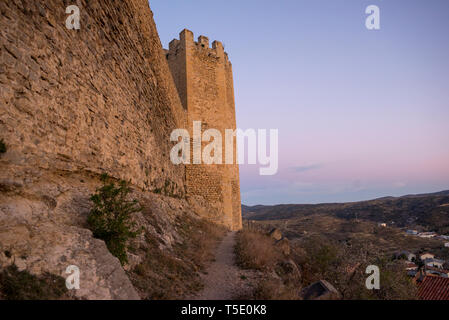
x=223 y=279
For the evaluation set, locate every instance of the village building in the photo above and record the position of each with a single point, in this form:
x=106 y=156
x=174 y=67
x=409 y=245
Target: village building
x=427 y=235
x=437 y=272
x=426 y=255
x=436 y=263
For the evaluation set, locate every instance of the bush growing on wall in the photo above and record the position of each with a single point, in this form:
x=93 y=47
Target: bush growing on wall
x=110 y=217
x=2 y=146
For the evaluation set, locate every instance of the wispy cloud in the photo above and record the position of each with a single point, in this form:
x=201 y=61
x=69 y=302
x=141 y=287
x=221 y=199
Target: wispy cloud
x=307 y=168
x=399 y=184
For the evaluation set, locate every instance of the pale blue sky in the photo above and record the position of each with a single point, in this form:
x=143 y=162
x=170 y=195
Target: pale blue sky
x=361 y=114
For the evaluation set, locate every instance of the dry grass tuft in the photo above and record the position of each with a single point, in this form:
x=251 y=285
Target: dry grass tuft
x=255 y=250
x=21 y=285
x=274 y=289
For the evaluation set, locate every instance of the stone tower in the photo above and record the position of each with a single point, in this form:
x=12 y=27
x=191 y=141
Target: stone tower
x=203 y=77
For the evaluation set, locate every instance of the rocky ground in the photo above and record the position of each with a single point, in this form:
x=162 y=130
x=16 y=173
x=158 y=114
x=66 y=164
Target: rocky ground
x=43 y=230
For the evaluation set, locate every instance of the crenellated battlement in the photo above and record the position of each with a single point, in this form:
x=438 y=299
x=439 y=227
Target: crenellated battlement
x=202 y=46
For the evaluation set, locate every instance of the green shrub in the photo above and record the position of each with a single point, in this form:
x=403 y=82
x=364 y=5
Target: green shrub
x=2 y=146
x=21 y=285
x=110 y=218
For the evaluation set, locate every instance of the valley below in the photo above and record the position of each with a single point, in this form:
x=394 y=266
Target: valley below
x=379 y=224
x=337 y=242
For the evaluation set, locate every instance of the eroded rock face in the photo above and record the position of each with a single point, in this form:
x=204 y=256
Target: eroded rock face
x=52 y=248
x=320 y=290
x=276 y=234
x=42 y=229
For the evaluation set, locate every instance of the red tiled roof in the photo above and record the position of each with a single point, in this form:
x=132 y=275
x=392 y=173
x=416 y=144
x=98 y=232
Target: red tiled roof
x=434 y=288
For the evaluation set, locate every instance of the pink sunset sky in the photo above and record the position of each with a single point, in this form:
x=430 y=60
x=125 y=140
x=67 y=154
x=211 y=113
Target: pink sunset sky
x=361 y=114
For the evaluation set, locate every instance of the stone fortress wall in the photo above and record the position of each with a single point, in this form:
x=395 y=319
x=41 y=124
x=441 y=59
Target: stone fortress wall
x=98 y=99
x=78 y=103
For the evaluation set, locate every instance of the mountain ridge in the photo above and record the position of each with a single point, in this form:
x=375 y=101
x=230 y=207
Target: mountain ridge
x=443 y=192
x=425 y=211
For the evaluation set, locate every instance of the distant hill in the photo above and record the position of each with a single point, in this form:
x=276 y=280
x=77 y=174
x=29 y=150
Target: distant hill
x=424 y=211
